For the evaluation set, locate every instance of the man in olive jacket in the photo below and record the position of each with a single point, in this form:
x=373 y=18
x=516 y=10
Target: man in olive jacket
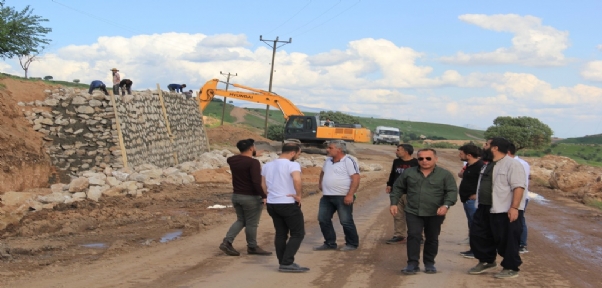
x=430 y=190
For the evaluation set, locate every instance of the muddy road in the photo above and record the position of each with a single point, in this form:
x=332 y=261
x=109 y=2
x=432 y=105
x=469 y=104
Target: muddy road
x=565 y=244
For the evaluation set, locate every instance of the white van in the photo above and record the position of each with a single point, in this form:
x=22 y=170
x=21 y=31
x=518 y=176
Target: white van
x=384 y=134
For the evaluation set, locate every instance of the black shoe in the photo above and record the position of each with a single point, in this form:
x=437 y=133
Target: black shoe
x=430 y=269
x=293 y=268
x=467 y=254
x=325 y=247
x=228 y=249
x=258 y=251
x=411 y=269
x=397 y=240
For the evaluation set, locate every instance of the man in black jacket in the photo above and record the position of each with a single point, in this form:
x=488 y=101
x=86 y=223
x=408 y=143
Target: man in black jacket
x=471 y=154
x=404 y=160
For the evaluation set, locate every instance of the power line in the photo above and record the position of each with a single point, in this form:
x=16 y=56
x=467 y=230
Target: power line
x=315 y=17
x=118 y=25
x=296 y=35
x=289 y=19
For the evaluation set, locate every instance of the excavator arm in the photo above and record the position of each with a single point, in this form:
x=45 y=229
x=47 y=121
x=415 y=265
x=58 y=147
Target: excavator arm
x=209 y=90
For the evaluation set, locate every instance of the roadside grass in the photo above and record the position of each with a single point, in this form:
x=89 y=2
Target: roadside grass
x=594 y=203
x=588 y=154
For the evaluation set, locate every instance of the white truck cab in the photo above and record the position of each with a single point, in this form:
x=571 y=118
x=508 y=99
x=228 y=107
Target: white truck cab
x=385 y=134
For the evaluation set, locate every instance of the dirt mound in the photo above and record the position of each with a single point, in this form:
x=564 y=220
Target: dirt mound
x=564 y=174
x=229 y=135
x=23 y=160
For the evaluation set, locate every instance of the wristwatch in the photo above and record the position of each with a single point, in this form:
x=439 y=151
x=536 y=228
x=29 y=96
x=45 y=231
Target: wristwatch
x=446 y=206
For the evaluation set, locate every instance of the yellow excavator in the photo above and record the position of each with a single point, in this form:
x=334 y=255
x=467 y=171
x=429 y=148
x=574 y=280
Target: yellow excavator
x=306 y=129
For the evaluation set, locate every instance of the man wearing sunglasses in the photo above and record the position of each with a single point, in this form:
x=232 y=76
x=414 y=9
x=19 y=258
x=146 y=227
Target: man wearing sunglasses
x=430 y=191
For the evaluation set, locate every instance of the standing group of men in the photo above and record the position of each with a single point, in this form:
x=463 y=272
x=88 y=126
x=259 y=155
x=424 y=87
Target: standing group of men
x=278 y=186
x=421 y=193
x=493 y=193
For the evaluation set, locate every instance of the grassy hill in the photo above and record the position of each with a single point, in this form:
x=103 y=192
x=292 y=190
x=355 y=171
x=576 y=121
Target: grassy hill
x=54 y=82
x=589 y=139
x=256 y=119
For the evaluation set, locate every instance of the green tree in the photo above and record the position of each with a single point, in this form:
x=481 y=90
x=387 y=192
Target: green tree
x=21 y=32
x=523 y=131
x=276 y=132
x=339 y=118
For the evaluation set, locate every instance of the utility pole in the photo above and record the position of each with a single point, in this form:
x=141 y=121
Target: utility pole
x=274 y=47
x=227 y=84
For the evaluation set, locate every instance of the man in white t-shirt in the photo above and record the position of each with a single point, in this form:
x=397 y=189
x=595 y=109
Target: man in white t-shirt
x=339 y=181
x=523 y=236
x=281 y=179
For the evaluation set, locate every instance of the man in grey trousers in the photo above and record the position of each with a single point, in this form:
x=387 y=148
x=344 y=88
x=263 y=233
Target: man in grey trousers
x=248 y=198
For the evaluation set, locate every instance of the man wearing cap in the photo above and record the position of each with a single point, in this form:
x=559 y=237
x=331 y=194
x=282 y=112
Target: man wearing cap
x=248 y=198
x=116 y=81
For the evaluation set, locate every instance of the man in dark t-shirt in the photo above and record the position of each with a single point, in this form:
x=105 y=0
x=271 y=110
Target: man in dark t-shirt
x=469 y=153
x=248 y=198
x=403 y=161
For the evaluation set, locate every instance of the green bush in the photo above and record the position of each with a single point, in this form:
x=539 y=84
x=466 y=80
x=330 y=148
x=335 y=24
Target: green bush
x=276 y=132
x=75 y=80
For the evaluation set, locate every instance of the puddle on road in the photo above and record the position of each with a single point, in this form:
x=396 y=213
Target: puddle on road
x=95 y=245
x=171 y=236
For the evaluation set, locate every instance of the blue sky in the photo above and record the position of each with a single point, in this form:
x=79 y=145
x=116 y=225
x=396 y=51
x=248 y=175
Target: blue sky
x=457 y=62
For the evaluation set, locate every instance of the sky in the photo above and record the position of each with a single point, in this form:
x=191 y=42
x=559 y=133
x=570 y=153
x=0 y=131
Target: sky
x=462 y=63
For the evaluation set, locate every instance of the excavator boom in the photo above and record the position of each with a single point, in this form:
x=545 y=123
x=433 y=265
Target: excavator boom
x=306 y=129
x=209 y=90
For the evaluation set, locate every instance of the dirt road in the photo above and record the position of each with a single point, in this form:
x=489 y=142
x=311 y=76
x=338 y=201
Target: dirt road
x=564 y=243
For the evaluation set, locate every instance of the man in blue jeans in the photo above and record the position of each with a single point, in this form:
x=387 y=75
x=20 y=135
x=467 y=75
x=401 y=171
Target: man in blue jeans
x=471 y=154
x=339 y=180
x=248 y=199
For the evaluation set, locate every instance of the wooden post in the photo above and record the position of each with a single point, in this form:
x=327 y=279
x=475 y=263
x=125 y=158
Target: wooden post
x=175 y=154
x=124 y=156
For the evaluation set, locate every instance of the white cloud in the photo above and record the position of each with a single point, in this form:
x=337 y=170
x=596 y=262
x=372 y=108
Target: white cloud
x=599 y=47
x=533 y=44
x=225 y=40
x=592 y=71
x=529 y=89
x=370 y=77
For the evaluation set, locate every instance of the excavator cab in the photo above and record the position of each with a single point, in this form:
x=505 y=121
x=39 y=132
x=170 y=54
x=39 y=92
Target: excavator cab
x=303 y=128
